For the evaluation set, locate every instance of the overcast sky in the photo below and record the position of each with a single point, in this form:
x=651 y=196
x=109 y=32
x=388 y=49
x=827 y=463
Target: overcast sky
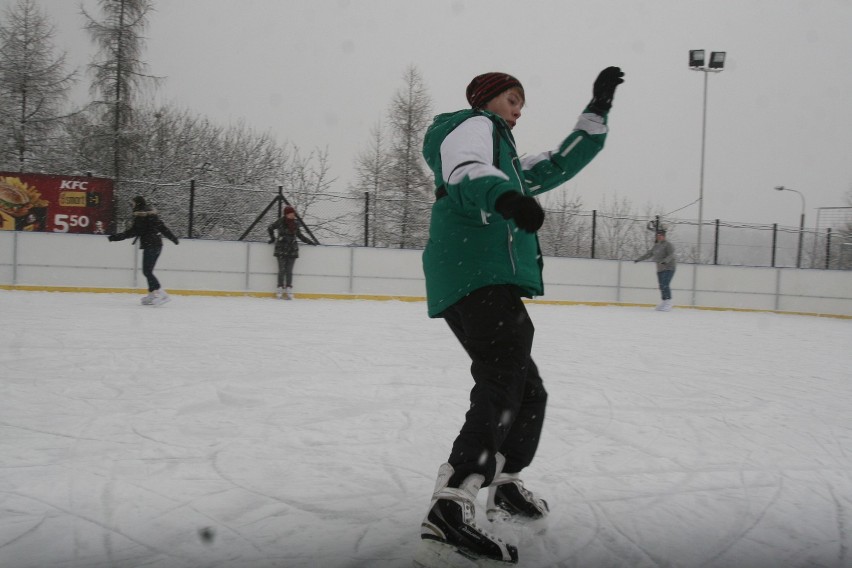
x=321 y=73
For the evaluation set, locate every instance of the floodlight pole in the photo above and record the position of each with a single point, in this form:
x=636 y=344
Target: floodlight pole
x=801 y=222
x=713 y=66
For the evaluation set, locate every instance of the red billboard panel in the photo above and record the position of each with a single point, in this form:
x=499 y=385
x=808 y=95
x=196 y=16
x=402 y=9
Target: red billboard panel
x=59 y=204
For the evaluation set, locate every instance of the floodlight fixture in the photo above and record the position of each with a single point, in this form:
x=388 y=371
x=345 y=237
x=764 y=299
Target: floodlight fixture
x=717 y=60
x=696 y=58
x=714 y=65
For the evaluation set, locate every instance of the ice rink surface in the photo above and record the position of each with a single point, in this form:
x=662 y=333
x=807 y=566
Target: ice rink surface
x=309 y=433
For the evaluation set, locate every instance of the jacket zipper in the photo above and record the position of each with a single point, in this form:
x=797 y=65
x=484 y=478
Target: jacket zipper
x=511 y=249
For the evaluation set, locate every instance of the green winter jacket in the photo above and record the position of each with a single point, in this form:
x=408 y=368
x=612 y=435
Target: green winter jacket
x=470 y=244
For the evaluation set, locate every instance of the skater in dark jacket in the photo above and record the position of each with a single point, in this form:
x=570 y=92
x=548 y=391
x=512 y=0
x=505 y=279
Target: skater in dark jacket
x=482 y=257
x=286 y=249
x=147 y=228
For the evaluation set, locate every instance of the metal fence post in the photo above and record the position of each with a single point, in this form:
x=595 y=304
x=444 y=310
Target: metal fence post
x=716 y=245
x=191 y=206
x=827 y=248
x=366 y=218
x=594 y=229
x=774 y=242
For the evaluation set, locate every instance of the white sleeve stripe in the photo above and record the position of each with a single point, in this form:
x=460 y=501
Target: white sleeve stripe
x=475 y=171
x=591 y=123
x=527 y=162
x=570 y=146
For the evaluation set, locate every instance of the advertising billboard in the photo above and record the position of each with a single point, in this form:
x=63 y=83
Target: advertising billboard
x=55 y=203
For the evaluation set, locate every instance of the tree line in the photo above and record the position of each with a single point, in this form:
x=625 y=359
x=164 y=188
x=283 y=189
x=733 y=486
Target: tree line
x=155 y=150
x=119 y=132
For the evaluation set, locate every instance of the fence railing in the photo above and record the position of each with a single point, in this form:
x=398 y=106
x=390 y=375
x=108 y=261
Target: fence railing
x=196 y=209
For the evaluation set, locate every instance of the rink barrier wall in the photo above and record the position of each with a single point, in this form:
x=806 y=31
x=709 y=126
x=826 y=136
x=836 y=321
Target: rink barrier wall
x=90 y=263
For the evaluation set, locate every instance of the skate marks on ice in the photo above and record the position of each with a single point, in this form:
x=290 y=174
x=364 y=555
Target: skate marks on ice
x=723 y=440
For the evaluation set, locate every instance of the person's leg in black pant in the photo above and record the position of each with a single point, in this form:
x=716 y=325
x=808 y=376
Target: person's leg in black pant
x=149 y=261
x=508 y=399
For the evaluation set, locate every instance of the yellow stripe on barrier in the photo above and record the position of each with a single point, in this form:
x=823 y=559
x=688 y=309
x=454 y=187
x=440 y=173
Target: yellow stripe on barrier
x=388 y=298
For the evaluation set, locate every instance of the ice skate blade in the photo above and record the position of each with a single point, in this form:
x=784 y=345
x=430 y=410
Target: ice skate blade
x=435 y=554
x=161 y=301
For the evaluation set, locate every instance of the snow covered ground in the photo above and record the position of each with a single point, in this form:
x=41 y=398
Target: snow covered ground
x=309 y=433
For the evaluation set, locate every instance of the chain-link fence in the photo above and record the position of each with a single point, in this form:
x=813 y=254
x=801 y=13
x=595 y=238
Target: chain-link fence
x=205 y=211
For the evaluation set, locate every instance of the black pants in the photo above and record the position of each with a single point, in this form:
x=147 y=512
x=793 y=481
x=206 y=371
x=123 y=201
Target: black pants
x=508 y=399
x=149 y=261
x=285 y=270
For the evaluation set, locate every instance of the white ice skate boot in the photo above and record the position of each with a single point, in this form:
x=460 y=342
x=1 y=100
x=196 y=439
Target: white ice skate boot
x=666 y=306
x=148 y=300
x=289 y=293
x=508 y=499
x=279 y=293
x=449 y=534
x=160 y=297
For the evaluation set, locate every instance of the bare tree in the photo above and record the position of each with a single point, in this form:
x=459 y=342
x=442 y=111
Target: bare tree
x=33 y=89
x=562 y=233
x=306 y=178
x=372 y=169
x=617 y=229
x=118 y=72
x=409 y=186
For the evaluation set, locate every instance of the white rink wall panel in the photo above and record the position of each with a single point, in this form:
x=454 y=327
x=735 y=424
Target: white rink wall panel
x=54 y=260
x=739 y=279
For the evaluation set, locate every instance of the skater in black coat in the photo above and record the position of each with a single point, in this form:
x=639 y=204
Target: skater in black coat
x=286 y=249
x=147 y=228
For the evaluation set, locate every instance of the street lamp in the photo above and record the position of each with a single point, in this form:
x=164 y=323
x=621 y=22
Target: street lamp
x=801 y=222
x=715 y=65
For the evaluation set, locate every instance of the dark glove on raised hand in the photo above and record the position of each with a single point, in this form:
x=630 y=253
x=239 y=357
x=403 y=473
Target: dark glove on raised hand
x=604 y=89
x=112 y=238
x=525 y=210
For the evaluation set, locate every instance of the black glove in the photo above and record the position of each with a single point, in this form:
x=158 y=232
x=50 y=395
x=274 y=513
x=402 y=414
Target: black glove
x=270 y=241
x=112 y=238
x=604 y=90
x=525 y=210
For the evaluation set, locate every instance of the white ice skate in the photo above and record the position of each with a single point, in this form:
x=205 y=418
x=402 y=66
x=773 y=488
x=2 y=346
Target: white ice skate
x=160 y=297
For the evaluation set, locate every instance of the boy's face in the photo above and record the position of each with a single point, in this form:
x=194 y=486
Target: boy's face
x=507 y=105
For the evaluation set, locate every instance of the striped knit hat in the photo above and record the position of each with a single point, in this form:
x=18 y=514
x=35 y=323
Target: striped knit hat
x=485 y=87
